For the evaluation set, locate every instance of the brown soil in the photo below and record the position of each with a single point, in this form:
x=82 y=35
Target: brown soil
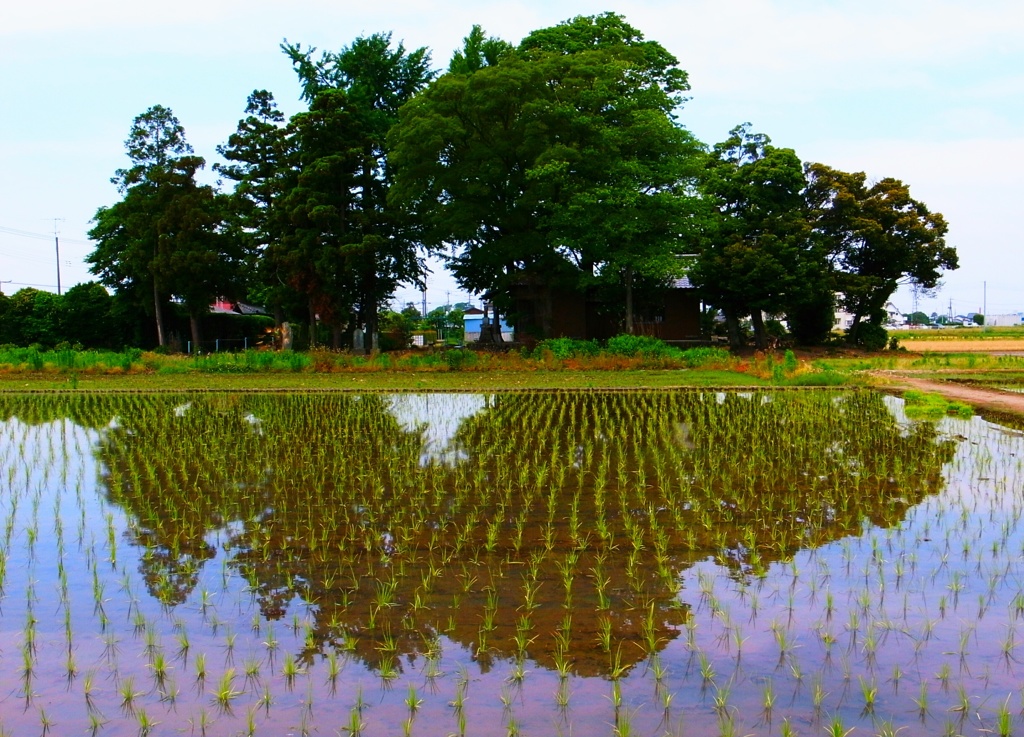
x=988 y=399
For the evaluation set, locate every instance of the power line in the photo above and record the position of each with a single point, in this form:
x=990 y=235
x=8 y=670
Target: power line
x=27 y=284
x=40 y=236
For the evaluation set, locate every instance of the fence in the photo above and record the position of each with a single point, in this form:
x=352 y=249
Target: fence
x=219 y=344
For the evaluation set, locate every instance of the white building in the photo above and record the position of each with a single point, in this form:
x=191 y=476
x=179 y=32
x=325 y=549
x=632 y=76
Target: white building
x=1002 y=321
x=894 y=318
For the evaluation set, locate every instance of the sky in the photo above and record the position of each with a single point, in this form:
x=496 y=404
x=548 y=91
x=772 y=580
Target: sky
x=927 y=91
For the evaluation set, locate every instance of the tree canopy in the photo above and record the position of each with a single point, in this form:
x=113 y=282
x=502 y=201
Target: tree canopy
x=875 y=237
x=558 y=163
x=164 y=238
x=559 y=159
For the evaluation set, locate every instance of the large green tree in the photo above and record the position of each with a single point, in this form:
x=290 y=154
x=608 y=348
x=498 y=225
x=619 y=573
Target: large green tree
x=164 y=237
x=558 y=161
x=352 y=246
x=876 y=237
x=756 y=257
x=260 y=158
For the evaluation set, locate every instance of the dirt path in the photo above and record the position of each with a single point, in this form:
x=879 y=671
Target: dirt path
x=991 y=399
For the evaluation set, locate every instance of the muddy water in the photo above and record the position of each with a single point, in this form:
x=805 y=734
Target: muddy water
x=664 y=563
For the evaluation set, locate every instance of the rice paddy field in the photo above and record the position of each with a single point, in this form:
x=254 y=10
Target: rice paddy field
x=686 y=562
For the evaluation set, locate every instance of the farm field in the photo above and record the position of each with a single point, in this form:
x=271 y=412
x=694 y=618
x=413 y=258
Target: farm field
x=655 y=562
x=963 y=340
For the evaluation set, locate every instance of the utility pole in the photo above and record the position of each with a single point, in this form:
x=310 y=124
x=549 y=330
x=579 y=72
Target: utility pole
x=56 y=245
x=984 y=304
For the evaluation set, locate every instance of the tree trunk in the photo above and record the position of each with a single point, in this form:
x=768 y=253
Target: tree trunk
x=336 y=336
x=546 y=316
x=193 y=321
x=312 y=325
x=757 y=320
x=498 y=338
x=732 y=326
x=629 y=299
x=160 y=339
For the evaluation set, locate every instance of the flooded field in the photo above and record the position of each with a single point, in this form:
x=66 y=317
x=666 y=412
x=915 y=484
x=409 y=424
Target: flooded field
x=678 y=563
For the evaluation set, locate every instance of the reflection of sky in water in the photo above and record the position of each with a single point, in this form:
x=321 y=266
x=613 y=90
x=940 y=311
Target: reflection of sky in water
x=437 y=417
x=988 y=465
x=58 y=450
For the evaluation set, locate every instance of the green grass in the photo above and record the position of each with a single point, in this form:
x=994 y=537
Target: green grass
x=926 y=405
x=381 y=381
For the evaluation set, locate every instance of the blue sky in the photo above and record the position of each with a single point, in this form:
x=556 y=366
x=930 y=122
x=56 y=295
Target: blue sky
x=929 y=92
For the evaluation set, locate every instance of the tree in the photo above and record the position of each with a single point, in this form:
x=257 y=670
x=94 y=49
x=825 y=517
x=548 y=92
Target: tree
x=361 y=246
x=260 y=159
x=875 y=237
x=478 y=51
x=31 y=316
x=756 y=256
x=164 y=236
x=558 y=161
x=88 y=318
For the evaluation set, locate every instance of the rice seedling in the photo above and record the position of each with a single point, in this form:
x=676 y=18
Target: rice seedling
x=127 y=691
x=921 y=701
x=201 y=672
x=224 y=692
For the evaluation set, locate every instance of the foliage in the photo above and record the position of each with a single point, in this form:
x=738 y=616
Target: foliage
x=640 y=345
x=755 y=258
x=397 y=328
x=701 y=357
x=869 y=336
x=260 y=160
x=350 y=247
x=563 y=348
x=927 y=405
x=163 y=238
x=876 y=238
x=559 y=162
x=459 y=359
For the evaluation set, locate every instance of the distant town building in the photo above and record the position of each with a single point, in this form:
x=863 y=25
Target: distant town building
x=1002 y=321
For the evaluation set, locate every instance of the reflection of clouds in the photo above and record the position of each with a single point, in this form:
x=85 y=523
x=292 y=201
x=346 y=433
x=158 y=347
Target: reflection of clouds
x=437 y=418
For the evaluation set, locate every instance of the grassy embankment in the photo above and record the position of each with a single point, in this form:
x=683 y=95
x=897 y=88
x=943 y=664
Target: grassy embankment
x=971 y=356
x=26 y=369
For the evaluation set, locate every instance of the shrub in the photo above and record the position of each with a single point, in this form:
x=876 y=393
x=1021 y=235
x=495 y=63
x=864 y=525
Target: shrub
x=459 y=359
x=869 y=336
x=639 y=345
x=564 y=348
x=704 y=356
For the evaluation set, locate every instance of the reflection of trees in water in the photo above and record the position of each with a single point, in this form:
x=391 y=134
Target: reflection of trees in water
x=584 y=505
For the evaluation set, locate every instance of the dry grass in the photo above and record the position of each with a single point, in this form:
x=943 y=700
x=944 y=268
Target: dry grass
x=961 y=345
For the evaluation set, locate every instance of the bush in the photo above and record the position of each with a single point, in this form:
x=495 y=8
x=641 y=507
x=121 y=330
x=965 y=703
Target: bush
x=459 y=359
x=640 y=345
x=564 y=348
x=869 y=336
x=704 y=356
